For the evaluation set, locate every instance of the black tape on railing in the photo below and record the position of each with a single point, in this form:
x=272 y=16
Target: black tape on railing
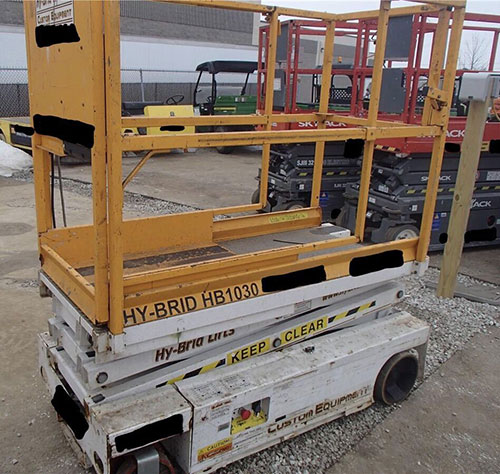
x=374 y=263
x=291 y=280
x=72 y=131
x=172 y=128
x=48 y=35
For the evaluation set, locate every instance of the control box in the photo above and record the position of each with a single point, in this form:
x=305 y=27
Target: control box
x=480 y=86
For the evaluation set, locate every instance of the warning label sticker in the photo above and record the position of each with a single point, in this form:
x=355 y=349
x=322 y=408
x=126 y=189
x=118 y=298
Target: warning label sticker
x=215 y=449
x=54 y=12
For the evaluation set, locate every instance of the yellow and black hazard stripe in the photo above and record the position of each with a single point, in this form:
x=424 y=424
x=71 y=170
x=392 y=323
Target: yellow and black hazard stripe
x=386 y=148
x=485 y=146
x=352 y=311
x=443 y=190
x=303 y=174
x=222 y=362
x=451 y=190
x=198 y=371
x=489 y=188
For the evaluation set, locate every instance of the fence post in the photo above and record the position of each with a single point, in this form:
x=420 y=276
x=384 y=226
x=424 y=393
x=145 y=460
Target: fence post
x=142 y=86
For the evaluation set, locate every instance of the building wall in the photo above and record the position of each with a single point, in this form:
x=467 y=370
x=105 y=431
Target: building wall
x=143 y=18
x=185 y=22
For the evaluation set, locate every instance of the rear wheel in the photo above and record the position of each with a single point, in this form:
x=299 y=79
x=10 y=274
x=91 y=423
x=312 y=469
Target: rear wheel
x=224 y=150
x=401 y=232
x=294 y=205
x=396 y=379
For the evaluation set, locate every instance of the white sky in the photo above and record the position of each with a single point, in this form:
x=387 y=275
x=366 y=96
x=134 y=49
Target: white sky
x=341 y=6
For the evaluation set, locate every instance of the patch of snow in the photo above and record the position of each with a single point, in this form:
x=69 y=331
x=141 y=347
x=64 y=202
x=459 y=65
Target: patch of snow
x=13 y=160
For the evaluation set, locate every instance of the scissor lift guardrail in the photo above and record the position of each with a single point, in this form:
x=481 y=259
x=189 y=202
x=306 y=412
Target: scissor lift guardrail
x=116 y=268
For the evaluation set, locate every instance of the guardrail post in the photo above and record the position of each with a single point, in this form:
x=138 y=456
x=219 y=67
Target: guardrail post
x=366 y=169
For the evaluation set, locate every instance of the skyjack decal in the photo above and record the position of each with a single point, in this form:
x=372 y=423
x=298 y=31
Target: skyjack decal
x=314 y=124
x=455 y=133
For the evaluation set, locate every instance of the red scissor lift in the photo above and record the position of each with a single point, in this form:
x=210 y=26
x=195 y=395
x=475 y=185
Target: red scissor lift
x=399 y=179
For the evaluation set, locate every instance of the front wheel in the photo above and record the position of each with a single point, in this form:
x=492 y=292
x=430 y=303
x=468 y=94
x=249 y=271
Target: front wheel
x=224 y=150
x=401 y=232
x=396 y=379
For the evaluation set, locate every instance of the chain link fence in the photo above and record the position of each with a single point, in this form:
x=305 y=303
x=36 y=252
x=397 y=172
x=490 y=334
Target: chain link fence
x=14 y=99
x=138 y=85
x=156 y=85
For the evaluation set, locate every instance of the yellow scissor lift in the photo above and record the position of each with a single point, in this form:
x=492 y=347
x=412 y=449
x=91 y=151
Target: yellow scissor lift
x=125 y=287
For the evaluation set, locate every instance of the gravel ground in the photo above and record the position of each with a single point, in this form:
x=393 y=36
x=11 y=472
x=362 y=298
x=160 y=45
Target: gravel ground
x=453 y=323
x=132 y=201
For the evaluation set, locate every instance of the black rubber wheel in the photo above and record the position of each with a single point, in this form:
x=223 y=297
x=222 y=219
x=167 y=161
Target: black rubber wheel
x=255 y=196
x=294 y=205
x=255 y=200
x=396 y=379
x=341 y=217
x=401 y=232
x=224 y=150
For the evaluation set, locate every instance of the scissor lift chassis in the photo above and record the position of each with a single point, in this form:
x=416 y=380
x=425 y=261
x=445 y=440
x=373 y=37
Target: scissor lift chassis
x=197 y=419
x=155 y=353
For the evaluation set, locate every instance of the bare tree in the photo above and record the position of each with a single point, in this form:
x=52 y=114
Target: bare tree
x=473 y=55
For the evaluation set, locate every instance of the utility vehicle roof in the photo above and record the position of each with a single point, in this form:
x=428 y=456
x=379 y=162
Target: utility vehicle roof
x=214 y=67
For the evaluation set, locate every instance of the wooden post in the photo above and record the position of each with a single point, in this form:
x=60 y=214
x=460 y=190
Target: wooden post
x=464 y=188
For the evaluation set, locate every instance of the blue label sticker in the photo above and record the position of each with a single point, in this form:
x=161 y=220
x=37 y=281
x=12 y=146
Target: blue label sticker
x=436 y=222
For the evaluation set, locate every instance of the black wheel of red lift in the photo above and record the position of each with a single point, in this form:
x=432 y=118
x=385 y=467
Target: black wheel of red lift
x=340 y=217
x=255 y=200
x=129 y=464
x=401 y=232
x=224 y=150
x=396 y=379
x=294 y=205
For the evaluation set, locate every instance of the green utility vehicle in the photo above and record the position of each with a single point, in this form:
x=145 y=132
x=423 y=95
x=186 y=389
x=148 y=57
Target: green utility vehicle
x=227 y=104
